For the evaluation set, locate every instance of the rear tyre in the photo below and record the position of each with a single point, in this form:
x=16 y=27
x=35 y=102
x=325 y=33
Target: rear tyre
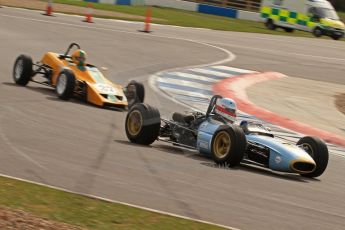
x=289 y=30
x=22 y=70
x=317 y=32
x=318 y=150
x=135 y=93
x=143 y=124
x=65 y=84
x=270 y=25
x=228 y=146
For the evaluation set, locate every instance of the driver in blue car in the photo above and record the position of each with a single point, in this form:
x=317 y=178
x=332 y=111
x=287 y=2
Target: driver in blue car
x=227 y=109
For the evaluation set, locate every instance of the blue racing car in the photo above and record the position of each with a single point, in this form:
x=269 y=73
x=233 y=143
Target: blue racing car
x=216 y=135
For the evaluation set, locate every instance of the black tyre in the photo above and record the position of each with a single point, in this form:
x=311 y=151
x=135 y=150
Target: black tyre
x=336 y=37
x=65 y=84
x=22 y=70
x=228 y=145
x=135 y=93
x=317 y=32
x=270 y=24
x=289 y=30
x=143 y=124
x=318 y=150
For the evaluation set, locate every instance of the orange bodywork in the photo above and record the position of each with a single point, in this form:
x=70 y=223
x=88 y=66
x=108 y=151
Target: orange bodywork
x=100 y=91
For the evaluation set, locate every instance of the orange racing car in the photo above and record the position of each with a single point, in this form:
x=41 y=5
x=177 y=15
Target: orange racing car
x=71 y=76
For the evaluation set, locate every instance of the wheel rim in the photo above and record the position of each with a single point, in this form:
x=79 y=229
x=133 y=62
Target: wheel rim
x=134 y=123
x=222 y=143
x=307 y=147
x=18 y=69
x=61 y=85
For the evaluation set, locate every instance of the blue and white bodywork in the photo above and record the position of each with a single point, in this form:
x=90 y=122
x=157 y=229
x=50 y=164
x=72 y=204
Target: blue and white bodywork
x=283 y=156
x=226 y=143
x=205 y=134
x=262 y=148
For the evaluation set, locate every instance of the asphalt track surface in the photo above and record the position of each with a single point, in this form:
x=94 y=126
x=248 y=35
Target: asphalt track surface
x=82 y=148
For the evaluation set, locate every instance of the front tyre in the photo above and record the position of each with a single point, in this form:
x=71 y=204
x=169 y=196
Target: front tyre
x=289 y=30
x=22 y=70
x=317 y=32
x=318 y=150
x=228 y=145
x=143 y=124
x=336 y=37
x=65 y=84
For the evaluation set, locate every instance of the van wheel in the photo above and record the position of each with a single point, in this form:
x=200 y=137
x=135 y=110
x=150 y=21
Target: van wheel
x=336 y=37
x=270 y=24
x=289 y=30
x=317 y=32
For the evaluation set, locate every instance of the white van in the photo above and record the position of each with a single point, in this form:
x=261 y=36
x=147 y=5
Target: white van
x=316 y=16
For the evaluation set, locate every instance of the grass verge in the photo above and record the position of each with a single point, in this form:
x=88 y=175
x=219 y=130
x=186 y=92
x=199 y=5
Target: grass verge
x=83 y=211
x=191 y=19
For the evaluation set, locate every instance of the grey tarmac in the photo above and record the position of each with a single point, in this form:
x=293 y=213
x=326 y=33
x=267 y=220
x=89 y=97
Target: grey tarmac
x=83 y=148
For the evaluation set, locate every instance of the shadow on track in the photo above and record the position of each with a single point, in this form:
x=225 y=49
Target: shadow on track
x=206 y=161
x=262 y=171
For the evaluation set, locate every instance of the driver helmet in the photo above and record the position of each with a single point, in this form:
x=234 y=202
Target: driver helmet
x=79 y=57
x=227 y=109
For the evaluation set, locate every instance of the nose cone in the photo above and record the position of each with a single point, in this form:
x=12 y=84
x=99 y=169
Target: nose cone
x=302 y=165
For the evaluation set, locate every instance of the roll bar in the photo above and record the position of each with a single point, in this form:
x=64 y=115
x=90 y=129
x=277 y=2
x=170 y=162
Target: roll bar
x=70 y=47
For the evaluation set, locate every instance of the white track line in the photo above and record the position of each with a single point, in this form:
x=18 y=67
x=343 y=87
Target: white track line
x=211 y=72
x=193 y=77
x=340 y=60
x=230 y=56
x=185 y=83
x=17 y=150
x=183 y=92
x=232 y=69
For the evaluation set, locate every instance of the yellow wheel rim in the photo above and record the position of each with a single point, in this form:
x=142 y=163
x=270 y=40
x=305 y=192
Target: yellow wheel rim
x=135 y=122
x=222 y=143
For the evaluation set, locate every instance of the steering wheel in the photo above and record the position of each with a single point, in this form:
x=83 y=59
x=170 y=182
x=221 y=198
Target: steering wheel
x=212 y=104
x=70 y=47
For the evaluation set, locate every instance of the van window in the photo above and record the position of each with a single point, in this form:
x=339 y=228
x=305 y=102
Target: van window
x=324 y=13
x=278 y=2
x=312 y=11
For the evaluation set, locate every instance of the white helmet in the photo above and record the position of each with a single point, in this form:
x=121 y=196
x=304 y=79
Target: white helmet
x=226 y=108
